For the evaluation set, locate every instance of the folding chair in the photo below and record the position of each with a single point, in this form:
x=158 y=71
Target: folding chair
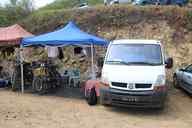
x=74 y=78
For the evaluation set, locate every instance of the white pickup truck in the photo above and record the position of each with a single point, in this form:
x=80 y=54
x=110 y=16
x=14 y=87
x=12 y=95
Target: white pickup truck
x=133 y=74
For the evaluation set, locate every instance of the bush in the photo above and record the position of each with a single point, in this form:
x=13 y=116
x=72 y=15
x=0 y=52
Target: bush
x=3 y=20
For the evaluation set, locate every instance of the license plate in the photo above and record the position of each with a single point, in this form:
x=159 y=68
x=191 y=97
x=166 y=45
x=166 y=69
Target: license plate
x=129 y=99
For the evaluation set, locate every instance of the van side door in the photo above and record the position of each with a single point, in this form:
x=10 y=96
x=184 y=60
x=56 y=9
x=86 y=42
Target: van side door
x=179 y=74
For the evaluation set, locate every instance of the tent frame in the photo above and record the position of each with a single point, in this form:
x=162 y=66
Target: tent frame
x=21 y=66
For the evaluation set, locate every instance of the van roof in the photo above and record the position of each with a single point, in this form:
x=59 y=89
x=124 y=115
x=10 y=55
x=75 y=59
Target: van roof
x=135 y=41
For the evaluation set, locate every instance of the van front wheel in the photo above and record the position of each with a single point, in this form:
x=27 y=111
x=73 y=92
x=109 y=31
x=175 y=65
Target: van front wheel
x=92 y=97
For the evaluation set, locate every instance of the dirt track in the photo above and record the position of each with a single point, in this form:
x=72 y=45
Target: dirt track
x=72 y=111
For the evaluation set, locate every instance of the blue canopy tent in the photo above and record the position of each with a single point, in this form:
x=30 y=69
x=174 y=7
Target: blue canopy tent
x=69 y=35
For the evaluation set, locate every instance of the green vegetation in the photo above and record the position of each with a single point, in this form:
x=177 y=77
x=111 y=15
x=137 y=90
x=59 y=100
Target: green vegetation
x=3 y=17
x=15 y=10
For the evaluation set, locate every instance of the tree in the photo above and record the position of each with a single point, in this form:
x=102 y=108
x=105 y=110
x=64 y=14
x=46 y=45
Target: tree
x=3 y=17
x=13 y=3
x=26 y=5
x=17 y=9
x=3 y=20
x=21 y=5
x=14 y=11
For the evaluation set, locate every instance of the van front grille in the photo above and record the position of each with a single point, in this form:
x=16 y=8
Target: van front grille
x=122 y=85
x=136 y=86
x=143 y=85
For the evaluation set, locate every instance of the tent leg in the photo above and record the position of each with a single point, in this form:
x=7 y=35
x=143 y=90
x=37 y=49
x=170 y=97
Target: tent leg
x=21 y=65
x=92 y=62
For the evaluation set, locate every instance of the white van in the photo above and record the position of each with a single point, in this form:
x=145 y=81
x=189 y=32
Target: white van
x=133 y=74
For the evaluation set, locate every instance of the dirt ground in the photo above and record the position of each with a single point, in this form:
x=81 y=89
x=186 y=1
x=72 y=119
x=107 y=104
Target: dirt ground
x=68 y=109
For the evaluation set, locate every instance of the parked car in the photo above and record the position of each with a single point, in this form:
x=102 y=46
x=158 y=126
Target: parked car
x=111 y=2
x=160 y=2
x=182 y=78
x=133 y=75
x=83 y=6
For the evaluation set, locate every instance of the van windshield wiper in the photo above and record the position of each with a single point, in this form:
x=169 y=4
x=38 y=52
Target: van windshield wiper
x=142 y=63
x=133 y=63
x=117 y=62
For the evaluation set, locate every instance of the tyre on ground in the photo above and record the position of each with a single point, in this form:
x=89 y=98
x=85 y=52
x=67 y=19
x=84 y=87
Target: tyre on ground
x=92 y=97
x=39 y=85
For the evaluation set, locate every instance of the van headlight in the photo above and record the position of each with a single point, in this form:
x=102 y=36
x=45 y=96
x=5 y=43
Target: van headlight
x=160 y=80
x=159 y=85
x=104 y=80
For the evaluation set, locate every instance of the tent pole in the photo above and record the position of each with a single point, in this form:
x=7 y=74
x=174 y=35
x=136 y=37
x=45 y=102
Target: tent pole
x=92 y=62
x=21 y=65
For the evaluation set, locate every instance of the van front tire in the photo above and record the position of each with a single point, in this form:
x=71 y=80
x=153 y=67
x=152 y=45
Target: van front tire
x=92 y=97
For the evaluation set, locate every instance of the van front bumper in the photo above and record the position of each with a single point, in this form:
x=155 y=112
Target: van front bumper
x=124 y=98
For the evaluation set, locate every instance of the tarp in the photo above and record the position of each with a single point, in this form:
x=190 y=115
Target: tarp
x=69 y=35
x=12 y=35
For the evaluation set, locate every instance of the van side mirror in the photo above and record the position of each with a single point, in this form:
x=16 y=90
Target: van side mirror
x=182 y=69
x=100 y=61
x=169 y=63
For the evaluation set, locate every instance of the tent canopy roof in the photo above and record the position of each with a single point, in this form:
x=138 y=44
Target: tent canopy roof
x=13 y=34
x=69 y=35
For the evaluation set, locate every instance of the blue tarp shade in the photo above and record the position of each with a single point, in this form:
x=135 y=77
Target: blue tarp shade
x=69 y=35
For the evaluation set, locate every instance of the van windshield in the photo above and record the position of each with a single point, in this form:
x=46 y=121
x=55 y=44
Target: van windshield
x=137 y=54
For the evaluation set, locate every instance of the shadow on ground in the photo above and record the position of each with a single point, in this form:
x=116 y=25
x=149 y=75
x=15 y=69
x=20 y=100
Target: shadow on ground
x=73 y=93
